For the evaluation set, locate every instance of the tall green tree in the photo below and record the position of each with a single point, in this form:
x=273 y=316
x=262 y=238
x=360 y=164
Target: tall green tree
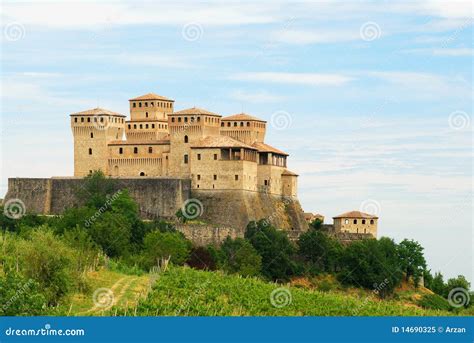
x=412 y=260
x=320 y=252
x=240 y=257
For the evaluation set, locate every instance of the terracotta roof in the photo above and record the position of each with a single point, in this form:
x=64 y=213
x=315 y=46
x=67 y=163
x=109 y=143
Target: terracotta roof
x=287 y=172
x=356 y=214
x=141 y=142
x=220 y=142
x=147 y=120
x=151 y=96
x=243 y=116
x=194 y=110
x=262 y=147
x=97 y=111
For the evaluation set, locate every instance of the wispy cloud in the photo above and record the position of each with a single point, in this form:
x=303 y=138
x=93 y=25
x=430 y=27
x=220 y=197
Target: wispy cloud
x=258 y=96
x=315 y=36
x=308 y=79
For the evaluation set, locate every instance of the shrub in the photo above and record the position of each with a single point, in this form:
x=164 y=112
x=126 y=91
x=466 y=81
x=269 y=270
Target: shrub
x=112 y=231
x=372 y=264
x=320 y=252
x=411 y=259
x=20 y=296
x=171 y=245
x=240 y=257
x=201 y=258
x=275 y=249
x=49 y=261
x=434 y=302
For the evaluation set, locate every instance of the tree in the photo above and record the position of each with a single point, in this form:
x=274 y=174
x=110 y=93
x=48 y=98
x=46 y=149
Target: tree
x=319 y=251
x=316 y=224
x=201 y=258
x=112 y=231
x=95 y=190
x=240 y=257
x=458 y=282
x=372 y=264
x=275 y=249
x=437 y=285
x=20 y=296
x=171 y=245
x=412 y=261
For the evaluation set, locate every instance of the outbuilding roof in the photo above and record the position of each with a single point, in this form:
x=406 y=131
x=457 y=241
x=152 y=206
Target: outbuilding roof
x=97 y=111
x=151 y=96
x=356 y=214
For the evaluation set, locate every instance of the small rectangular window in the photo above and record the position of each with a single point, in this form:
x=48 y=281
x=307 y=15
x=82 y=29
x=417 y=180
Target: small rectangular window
x=185 y=159
x=215 y=156
x=150 y=150
x=215 y=177
x=199 y=177
x=236 y=177
x=120 y=150
x=135 y=150
x=199 y=157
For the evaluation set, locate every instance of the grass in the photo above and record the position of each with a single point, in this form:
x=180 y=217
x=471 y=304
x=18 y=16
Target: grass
x=183 y=291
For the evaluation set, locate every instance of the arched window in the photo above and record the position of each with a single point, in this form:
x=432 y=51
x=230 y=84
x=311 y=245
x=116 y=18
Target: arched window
x=75 y=120
x=134 y=104
x=146 y=114
x=152 y=126
x=185 y=119
x=88 y=119
x=228 y=123
x=372 y=222
x=346 y=221
x=186 y=139
x=146 y=126
x=120 y=150
x=141 y=126
x=363 y=221
x=142 y=174
x=355 y=221
x=134 y=126
x=139 y=104
x=172 y=120
x=222 y=124
x=129 y=126
x=82 y=119
x=235 y=123
x=198 y=119
x=146 y=104
x=179 y=119
x=135 y=150
x=185 y=159
x=248 y=123
x=90 y=151
x=150 y=150
x=241 y=123
x=92 y=135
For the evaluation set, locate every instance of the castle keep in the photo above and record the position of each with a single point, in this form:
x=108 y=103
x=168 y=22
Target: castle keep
x=214 y=152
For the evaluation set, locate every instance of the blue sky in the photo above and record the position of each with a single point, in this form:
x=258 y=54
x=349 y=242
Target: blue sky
x=372 y=100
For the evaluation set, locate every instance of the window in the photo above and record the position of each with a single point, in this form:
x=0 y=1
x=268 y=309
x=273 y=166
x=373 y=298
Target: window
x=134 y=104
x=141 y=126
x=199 y=177
x=363 y=221
x=129 y=126
x=82 y=119
x=152 y=104
x=236 y=177
x=185 y=119
x=179 y=119
x=142 y=174
x=241 y=123
x=75 y=120
x=248 y=123
x=101 y=120
x=346 y=221
x=172 y=120
x=355 y=221
x=186 y=139
x=146 y=126
x=135 y=150
x=90 y=151
x=222 y=124
x=199 y=157
x=88 y=120
x=371 y=221
x=198 y=119
x=92 y=135
x=152 y=126
x=120 y=151
x=235 y=123
x=150 y=150
x=185 y=159
x=365 y=230
x=139 y=104
x=265 y=182
x=146 y=114
x=146 y=104
x=215 y=177
x=134 y=126
x=215 y=156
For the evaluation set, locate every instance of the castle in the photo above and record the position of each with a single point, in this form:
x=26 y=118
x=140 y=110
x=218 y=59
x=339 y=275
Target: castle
x=215 y=152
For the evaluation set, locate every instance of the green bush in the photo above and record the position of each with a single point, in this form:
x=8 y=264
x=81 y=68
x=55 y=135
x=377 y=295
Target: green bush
x=320 y=252
x=158 y=245
x=20 y=296
x=240 y=257
x=434 y=302
x=112 y=231
x=275 y=248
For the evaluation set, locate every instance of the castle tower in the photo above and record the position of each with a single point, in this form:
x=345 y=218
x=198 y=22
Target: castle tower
x=188 y=127
x=244 y=128
x=93 y=130
x=148 y=117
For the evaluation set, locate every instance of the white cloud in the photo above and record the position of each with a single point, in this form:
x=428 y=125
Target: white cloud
x=454 y=52
x=315 y=36
x=259 y=96
x=309 y=79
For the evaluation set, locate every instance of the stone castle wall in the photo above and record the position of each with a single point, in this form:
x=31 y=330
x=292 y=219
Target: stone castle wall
x=229 y=210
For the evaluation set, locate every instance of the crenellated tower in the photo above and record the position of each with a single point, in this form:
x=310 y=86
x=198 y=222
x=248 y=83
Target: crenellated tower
x=244 y=128
x=93 y=130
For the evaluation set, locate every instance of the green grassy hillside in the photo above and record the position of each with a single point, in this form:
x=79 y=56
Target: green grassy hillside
x=183 y=291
